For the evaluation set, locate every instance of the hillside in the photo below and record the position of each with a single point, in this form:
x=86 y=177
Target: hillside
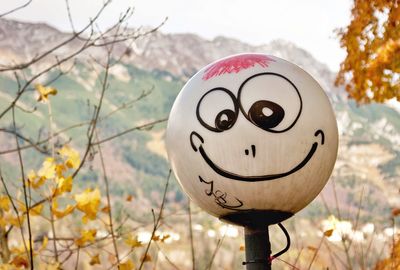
x=369 y=155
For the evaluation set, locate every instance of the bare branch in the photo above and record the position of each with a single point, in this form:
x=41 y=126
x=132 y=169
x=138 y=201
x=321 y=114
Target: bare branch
x=219 y=243
x=166 y=258
x=20 y=136
x=16 y=213
x=36 y=145
x=157 y=222
x=191 y=235
x=141 y=127
x=30 y=254
x=56 y=47
x=110 y=219
x=71 y=22
x=16 y=9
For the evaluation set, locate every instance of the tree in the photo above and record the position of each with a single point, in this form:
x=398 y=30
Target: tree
x=371 y=70
x=48 y=199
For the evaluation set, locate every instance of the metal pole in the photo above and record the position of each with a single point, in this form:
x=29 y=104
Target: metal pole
x=258 y=248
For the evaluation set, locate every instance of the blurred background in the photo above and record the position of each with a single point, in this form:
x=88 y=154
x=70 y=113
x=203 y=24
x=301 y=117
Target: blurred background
x=86 y=88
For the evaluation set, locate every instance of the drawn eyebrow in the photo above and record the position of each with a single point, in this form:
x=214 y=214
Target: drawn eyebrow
x=235 y=64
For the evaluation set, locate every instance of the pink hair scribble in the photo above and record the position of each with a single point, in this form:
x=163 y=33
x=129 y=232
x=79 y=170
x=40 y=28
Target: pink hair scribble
x=236 y=64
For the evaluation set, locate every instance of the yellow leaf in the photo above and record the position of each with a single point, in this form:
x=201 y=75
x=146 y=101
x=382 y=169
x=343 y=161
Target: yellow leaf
x=32 y=175
x=13 y=220
x=4 y=203
x=35 y=211
x=132 y=241
x=44 y=92
x=44 y=243
x=20 y=261
x=241 y=248
x=129 y=198
x=71 y=155
x=88 y=202
x=86 y=236
x=328 y=233
x=48 y=169
x=61 y=213
x=63 y=185
x=312 y=248
x=146 y=258
x=21 y=206
x=128 y=265
x=85 y=219
x=155 y=237
x=105 y=209
x=165 y=237
x=34 y=180
x=60 y=169
x=95 y=260
x=20 y=248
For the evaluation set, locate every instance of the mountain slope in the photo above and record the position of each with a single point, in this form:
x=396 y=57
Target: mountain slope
x=369 y=156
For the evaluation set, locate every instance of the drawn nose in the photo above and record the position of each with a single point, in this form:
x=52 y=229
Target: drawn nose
x=253 y=151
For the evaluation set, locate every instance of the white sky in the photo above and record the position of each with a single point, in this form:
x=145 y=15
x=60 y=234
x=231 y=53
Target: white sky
x=308 y=23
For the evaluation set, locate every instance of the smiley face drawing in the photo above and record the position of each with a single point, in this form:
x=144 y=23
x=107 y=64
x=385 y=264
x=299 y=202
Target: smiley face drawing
x=252 y=133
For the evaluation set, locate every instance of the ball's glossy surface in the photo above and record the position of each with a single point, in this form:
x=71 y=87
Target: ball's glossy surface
x=252 y=132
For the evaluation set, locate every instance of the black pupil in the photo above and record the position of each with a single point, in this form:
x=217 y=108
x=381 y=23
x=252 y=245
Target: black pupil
x=225 y=120
x=257 y=114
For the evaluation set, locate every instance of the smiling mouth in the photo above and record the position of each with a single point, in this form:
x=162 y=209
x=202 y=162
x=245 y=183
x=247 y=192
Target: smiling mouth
x=256 y=178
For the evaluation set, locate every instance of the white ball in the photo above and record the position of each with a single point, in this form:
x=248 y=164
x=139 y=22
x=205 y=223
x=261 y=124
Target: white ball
x=252 y=133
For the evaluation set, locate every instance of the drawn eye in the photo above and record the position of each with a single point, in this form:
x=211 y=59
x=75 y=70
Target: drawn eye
x=270 y=101
x=266 y=114
x=217 y=110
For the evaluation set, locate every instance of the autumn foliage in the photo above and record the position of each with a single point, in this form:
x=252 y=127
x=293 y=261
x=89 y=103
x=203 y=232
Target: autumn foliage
x=53 y=182
x=393 y=261
x=47 y=220
x=371 y=69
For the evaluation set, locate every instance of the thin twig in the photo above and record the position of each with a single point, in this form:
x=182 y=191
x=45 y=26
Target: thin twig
x=219 y=243
x=95 y=118
x=343 y=239
x=61 y=131
x=25 y=194
x=77 y=258
x=144 y=126
x=358 y=214
x=20 y=136
x=16 y=213
x=191 y=236
x=166 y=257
x=325 y=204
x=71 y=22
x=157 y=222
x=297 y=257
x=15 y=9
x=333 y=255
x=108 y=204
x=370 y=245
x=316 y=253
x=61 y=44
x=336 y=199
x=53 y=229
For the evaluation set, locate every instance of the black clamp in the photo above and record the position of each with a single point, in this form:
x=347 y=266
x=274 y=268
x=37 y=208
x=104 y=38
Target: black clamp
x=262 y=261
